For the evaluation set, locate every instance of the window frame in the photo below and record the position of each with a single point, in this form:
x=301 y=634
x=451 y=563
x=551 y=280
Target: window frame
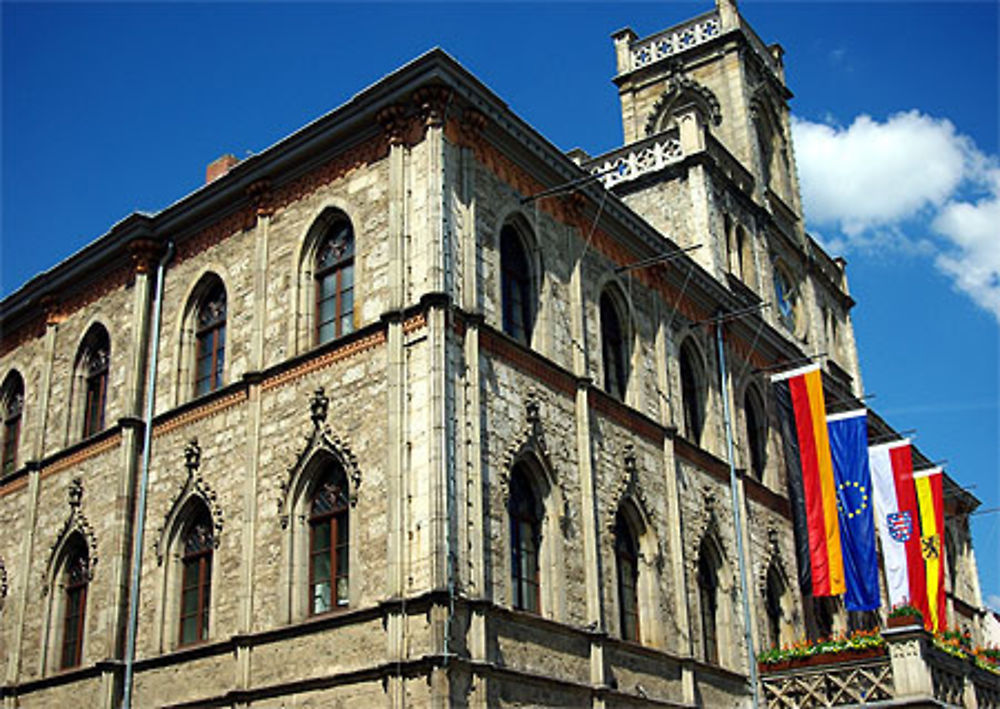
x=215 y=329
x=75 y=586
x=694 y=394
x=627 y=557
x=708 y=603
x=614 y=348
x=336 y=269
x=518 y=306
x=525 y=522
x=12 y=400
x=337 y=539
x=756 y=429
x=199 y=557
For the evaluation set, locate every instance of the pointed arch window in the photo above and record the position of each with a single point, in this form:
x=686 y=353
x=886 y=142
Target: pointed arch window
x=613 y=349
x=525 y=542
x=210 y=336
x=196 y=577
x=756 y=431
x=12 y=401
x=627 y=567
x=517 y=293
x=92 y=363
x=329 y=517
x=334 y=273
x=692 y=393
x=76 y=578
x=773 y=593
x=708 y=596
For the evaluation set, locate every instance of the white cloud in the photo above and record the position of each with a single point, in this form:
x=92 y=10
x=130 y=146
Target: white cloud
x=993 y=601
x=904 y=186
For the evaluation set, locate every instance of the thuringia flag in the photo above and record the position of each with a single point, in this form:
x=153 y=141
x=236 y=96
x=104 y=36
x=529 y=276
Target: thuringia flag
x=930 y=501
x=811 y=486
x=898 y=523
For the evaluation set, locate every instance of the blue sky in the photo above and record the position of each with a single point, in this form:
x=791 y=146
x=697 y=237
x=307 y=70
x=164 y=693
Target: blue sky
x=110 y=108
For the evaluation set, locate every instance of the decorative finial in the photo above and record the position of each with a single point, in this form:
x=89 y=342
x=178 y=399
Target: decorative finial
x=75 y=493
x=192 y=455
x=318 y=406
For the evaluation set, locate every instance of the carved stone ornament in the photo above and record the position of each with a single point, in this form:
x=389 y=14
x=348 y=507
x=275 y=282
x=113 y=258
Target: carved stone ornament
x=679 y=88
x=394 y=123
x=432 y=103
x=3 y=583
x=194 y=485
x=531 y=441
x=321 y=440
x=773 y=556
x=628 y=488
x=705 y=524
x=75 y=522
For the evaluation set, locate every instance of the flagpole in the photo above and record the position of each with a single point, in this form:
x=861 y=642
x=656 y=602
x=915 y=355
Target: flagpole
x=744 y=585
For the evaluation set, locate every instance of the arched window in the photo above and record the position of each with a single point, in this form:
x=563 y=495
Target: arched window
x=951 y=558
x=328 y=542
x=334 y=273
x=774 y=592
x=613 y=349
x=11 y=406
x=517 y=292
x=627 y=567
x=525 y=541
x=210 y=338
x=756 y=430
x=692 y=393
x=92 y=369
x=708 y=597
x=76 y=577
x=786 y=297
x=196 y=577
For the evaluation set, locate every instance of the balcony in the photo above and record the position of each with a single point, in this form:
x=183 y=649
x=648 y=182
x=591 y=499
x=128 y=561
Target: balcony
x=911 y=669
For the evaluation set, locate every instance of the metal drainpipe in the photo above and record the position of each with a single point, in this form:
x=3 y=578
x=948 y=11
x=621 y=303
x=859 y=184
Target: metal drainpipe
x=147 y=435
x=744 y=586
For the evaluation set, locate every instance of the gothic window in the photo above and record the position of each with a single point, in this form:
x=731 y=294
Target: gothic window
x=613 y=349
x=11 y=407
x=786 y=296
x=76 y=577
x=328 y=542
x=756 y=431
x=824 y=609
x=517 y=293
x=627 y=567
x=708 y=597
x=692 y=393
x=525 y=541
x=951 y=558
x=196 y=577
x=334 y=273
x=92 y=374
x=210 y=338
x=774 y=592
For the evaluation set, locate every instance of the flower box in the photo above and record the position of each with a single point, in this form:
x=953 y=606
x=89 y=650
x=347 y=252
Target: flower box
x=823 y=658
x=902 y=621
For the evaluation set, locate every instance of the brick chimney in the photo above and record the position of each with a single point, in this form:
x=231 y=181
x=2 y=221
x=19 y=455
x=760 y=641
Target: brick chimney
x=220 y=166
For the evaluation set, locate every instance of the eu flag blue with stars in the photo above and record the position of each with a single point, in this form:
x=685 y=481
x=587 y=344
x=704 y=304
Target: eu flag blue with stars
x=849 y=449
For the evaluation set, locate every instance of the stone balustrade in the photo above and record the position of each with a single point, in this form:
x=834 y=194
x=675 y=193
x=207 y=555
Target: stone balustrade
x=638 y=159
x=674 y=40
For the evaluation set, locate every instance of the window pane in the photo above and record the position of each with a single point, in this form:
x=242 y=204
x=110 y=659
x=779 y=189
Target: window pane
x=321 y=598
x=320 y=535
x=326 y=332
x=189 y=630
x=321 y=568
x=347 y=276
x=189 y=604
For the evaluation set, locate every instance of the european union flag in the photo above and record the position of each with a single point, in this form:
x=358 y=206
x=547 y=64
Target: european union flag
x=855 y=504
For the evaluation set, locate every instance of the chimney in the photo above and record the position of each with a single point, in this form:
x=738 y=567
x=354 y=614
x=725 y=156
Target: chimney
x=220 y=166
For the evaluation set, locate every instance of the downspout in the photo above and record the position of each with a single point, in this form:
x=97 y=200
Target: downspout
x=733 y=483
x=147 y=436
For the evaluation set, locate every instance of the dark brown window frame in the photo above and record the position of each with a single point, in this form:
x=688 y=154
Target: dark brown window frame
x=516 y=291
x=627 y=573
x=614 y=349
x=96 y=360
x=340 y=260
x=210 y=337
x=334 y=515
x=77 y=580
x=13 y=408
x=198 y=554
x=525 y=543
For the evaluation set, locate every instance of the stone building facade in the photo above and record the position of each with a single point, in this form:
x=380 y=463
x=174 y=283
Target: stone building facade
x=437 y=415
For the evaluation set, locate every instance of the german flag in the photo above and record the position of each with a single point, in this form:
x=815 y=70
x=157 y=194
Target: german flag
x=811 y=487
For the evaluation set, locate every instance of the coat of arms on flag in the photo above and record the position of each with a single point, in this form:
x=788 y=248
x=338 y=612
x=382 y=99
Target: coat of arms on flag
x=930 y=546
x=900 y=526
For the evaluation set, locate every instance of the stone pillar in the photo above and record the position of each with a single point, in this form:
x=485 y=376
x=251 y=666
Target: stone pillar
x=910 y=673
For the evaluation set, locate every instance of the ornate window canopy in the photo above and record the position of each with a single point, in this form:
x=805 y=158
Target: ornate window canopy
x=194 y=486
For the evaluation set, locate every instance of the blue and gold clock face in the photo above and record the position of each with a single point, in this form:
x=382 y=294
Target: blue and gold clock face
x=852 y=499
